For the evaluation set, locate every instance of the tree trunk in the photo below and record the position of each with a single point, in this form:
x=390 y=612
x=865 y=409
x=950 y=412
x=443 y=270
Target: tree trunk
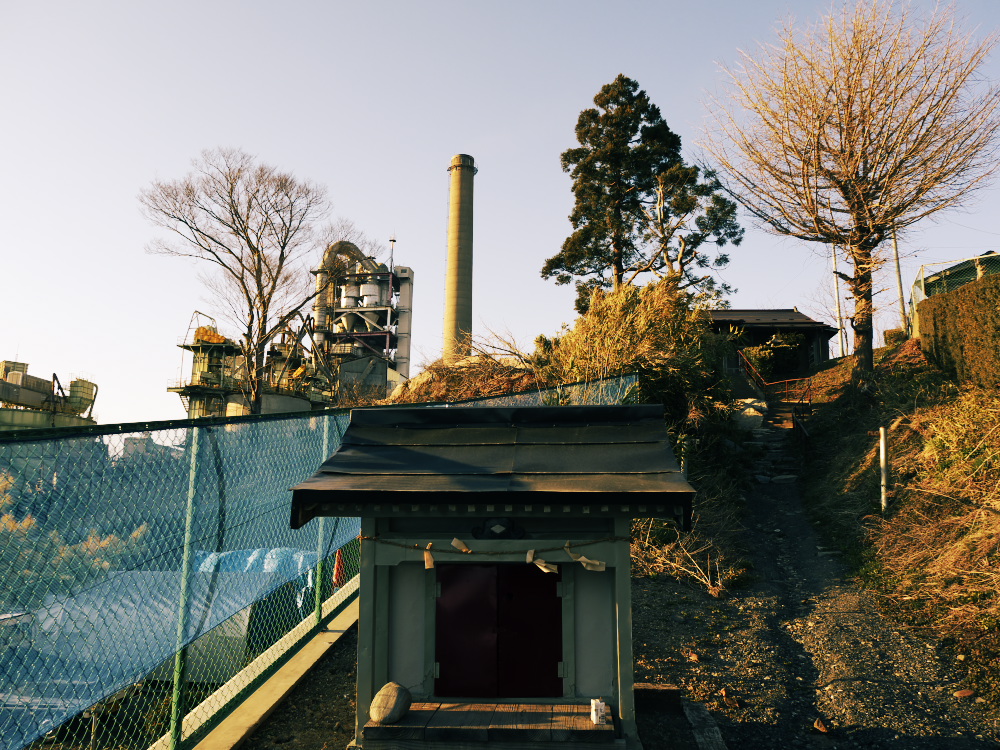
x=861 y=289
x=617 y=263
x=255 y=379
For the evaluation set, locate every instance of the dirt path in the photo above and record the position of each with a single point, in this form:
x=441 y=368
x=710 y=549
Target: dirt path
x=799 y=643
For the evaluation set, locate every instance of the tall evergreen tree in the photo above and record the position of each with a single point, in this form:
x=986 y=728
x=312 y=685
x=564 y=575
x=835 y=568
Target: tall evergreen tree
x=635 y=199
x=685 y=210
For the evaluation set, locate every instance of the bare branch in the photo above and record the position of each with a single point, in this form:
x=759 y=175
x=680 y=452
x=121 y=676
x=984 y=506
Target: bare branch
x=255 y=225
x=868 y=120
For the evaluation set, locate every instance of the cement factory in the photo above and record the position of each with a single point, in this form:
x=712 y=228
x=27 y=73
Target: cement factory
x=355 y=344
x=28 y=402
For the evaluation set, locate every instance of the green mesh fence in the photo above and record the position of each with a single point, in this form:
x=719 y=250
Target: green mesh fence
x=149 y=577
x=609 y=391
x=941 y=278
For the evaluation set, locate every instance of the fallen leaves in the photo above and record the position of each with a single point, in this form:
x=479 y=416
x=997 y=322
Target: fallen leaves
x=964 y=693
x=820 y=726
x=728 y=699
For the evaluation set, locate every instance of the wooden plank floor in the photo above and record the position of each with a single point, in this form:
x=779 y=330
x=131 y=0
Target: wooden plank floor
x=527 y=726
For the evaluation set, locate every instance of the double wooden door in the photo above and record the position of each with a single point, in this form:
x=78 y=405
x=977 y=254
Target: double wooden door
x=498 y=632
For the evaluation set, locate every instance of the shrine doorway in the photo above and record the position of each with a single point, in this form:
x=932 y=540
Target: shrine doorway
x=498 y=632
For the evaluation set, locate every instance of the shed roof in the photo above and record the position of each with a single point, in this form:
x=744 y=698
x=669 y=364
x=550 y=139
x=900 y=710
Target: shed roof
x=438 y=461
x=790 y=319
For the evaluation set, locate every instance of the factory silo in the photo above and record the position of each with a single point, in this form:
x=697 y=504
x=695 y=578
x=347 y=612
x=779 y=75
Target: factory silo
x=458 y=284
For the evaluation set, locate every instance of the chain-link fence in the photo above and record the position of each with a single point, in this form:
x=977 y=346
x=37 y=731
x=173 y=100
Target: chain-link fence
x=140 y=570
x=940 y=278
x=149 y=578
x=616 y=390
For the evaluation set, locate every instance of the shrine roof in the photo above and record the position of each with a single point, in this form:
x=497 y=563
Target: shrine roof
x=447 y=460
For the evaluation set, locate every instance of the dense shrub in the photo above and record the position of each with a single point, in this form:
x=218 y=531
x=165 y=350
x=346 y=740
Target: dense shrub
x=761 y=359
x=659 y=334
x=894 y=336
x=960 y=331
x=776 y=358
x=655 y=332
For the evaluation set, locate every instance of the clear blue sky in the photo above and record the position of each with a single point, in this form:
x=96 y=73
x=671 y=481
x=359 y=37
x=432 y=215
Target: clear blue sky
x=372 y=99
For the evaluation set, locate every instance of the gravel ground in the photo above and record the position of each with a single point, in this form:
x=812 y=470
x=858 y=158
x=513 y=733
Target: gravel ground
x=800 y=646
x=319 y=712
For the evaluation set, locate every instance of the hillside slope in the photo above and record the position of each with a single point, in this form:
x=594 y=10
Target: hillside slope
x=934 y=555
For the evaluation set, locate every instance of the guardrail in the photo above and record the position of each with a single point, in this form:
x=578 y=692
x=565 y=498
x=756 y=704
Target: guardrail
x=798 y=392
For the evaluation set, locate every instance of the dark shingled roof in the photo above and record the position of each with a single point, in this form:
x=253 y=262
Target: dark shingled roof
x=785 y=319
x=611 y=457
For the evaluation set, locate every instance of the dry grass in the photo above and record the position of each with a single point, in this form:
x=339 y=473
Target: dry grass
x=653 y=331
x=935 y=555
x=941 y=543
x=844 y=490
x=486 y=373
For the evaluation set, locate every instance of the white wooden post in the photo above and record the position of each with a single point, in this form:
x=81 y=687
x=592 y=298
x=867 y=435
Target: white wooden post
x=884 y=466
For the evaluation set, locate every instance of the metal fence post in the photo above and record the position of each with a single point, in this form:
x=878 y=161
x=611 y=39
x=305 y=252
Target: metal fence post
x=321 y=532
x=180 y=655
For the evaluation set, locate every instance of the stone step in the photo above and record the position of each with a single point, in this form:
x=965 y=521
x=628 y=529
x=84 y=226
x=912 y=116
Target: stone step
x=784 y=479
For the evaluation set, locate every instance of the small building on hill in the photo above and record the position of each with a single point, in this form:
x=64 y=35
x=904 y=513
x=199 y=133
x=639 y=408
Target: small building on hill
x=761 y=327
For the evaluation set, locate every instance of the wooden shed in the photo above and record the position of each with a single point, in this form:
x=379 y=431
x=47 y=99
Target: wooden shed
x=495 y=566
x=757 y=327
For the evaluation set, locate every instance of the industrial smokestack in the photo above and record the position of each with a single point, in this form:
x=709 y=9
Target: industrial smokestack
x=458 y=284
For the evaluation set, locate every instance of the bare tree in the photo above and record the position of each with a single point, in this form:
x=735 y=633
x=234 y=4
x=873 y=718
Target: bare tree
x=865 y=122
x=345 y=230
x=256 y=226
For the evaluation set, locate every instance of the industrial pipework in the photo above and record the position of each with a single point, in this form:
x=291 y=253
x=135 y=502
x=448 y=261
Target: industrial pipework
x=357 y=312
x=27 y=402
x=458 y=283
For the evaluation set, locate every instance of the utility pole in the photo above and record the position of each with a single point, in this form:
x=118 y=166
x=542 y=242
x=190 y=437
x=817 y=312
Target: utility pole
x=904 y=321
x=841 y=334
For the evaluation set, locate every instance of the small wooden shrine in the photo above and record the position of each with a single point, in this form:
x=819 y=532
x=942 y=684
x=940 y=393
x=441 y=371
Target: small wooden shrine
x=495 y=566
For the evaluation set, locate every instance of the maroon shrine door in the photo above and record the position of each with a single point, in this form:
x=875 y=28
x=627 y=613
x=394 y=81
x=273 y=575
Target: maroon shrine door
x=498 y=633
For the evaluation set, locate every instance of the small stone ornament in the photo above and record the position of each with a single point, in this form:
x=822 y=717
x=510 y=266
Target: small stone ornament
x=390 y=704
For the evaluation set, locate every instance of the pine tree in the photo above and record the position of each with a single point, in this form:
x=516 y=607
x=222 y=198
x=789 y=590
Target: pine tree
x=638 y=207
